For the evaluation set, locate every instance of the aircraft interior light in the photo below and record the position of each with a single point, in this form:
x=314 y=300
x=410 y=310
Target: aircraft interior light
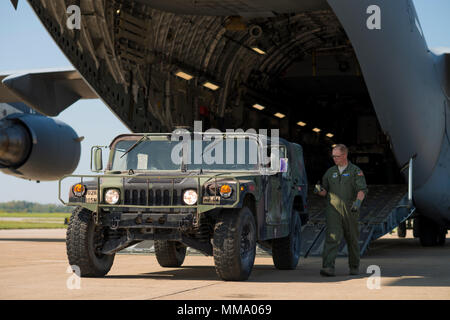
x=258 y=107
x=184 y=75
x=258 y=50
x=211 y=86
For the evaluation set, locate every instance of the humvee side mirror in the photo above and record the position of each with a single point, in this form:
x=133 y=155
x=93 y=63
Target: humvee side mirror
x=96 y=159
x=278 y=160
x=274 y=163
x=283 y=165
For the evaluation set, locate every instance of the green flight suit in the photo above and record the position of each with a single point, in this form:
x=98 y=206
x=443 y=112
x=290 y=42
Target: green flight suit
x=342 y=191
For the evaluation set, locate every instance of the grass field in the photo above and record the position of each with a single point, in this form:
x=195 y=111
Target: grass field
x=33 y=215
x=23 y=220
x=30 y=225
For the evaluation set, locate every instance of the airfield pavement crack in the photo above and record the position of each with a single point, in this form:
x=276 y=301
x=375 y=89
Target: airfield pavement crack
x=187 y=290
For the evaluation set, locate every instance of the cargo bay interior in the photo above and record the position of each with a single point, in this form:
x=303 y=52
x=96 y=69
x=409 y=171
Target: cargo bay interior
x=324 y=101
x=157 y=70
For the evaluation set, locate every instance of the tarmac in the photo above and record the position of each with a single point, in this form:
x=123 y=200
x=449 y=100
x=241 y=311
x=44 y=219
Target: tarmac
x=33 y=265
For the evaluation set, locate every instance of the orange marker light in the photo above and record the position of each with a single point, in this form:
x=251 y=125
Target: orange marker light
x=79 y=190
x=225 y=191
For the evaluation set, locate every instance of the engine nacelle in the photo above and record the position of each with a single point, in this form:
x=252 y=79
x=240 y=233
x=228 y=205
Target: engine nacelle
x=35 y=147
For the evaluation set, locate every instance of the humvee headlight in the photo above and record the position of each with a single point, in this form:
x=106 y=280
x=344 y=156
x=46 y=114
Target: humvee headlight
x=112 y=196
x=225 y=191
x=79 y=190
x=190 y=197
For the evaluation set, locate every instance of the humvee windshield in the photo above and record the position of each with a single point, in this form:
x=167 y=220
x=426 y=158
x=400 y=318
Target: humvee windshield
x=234 y=154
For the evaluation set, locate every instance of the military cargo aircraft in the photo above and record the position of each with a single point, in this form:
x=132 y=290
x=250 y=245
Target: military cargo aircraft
x=323 y=71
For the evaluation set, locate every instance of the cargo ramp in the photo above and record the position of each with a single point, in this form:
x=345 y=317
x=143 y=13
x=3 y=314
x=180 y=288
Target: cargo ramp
x=385 y=207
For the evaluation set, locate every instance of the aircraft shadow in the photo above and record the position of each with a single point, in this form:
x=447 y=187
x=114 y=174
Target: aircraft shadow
x=410 y=264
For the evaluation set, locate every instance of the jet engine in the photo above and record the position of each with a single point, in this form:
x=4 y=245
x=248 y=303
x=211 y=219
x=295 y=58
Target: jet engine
x=36 y=147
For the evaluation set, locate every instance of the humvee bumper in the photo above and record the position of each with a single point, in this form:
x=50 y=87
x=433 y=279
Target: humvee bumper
x=148 y=220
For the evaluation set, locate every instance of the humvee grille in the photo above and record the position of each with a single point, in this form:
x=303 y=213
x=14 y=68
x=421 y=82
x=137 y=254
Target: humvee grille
x=156 y=197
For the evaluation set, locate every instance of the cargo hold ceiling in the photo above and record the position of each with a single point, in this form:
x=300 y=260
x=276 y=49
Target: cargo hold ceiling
x=158 y=69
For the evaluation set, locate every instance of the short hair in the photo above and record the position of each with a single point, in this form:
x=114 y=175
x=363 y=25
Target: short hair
x=342 y=147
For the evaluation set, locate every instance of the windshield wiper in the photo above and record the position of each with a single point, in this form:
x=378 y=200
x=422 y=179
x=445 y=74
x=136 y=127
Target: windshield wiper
x=210 y=147
x=183 y=165
x=134 y=146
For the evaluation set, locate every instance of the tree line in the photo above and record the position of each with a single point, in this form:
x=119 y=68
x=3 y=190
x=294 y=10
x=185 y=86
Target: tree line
x=32 y=207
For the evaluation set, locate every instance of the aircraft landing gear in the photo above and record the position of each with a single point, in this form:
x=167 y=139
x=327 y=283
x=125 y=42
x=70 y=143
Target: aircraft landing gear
x=429 y=232
x=401 y=230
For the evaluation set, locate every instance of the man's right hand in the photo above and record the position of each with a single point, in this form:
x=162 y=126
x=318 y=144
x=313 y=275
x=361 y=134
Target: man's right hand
x=318 y=188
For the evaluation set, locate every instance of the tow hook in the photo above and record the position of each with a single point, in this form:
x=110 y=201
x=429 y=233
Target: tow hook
x=115 y=223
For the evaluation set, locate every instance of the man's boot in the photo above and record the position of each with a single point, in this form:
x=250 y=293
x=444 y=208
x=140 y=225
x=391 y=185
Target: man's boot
x=327 y=272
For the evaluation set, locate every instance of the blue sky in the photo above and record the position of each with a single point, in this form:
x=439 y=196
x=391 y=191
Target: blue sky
x=26 y=45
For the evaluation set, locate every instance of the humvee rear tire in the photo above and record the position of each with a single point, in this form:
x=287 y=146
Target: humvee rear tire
x=286 y=251
x=170 y=254
x=83 y=242
x=234 y=244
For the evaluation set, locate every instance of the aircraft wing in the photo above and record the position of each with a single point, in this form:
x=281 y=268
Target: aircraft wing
x=47 y=91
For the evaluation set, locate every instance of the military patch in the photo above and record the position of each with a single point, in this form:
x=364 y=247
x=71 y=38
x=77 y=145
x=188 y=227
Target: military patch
x=361 y=174
x=346 y=175
x=335 y=175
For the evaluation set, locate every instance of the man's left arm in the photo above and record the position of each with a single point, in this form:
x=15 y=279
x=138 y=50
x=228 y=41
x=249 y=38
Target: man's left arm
x=361 y=187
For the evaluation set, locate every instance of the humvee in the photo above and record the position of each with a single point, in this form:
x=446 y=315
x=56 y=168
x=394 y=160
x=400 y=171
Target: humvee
x=220 y=208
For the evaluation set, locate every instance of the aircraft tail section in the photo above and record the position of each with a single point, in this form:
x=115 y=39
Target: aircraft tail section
x=400 y=75
x=409 y=87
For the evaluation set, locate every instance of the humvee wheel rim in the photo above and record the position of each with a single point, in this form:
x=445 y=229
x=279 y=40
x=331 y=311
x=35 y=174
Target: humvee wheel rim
x=179 y=247
x=98 y=241
x=247 y=240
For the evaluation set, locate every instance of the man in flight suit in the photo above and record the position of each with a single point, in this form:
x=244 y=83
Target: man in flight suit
x=345 y=187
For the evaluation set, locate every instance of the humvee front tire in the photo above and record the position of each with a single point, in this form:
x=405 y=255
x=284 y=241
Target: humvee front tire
x=234 y=244
x=170 y=254
x=286 y=251
x=83 y=243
